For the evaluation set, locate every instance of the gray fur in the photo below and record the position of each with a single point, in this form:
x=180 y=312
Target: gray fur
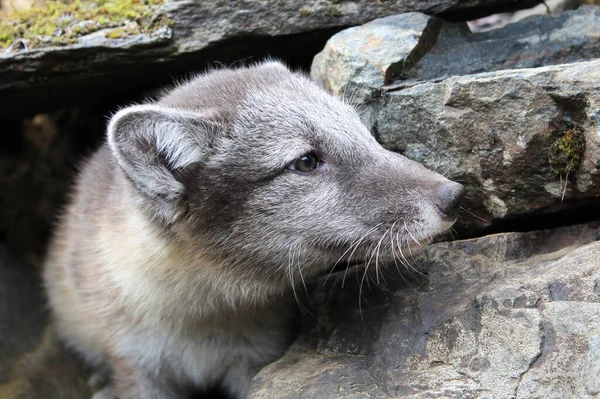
x=193 y=223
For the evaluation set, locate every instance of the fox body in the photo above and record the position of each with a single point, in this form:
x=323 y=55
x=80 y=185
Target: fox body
x=186 y=231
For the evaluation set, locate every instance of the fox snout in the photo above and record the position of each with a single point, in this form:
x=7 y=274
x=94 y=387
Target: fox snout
x=449 y=196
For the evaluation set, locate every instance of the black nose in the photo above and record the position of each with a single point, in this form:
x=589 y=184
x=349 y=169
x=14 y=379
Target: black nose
x=449 y=195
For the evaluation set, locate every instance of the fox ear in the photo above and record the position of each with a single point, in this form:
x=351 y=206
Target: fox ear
x=151 y=143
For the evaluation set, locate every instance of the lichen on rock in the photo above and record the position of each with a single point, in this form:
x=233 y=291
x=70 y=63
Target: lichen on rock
x=62 y=23
x=566 y=151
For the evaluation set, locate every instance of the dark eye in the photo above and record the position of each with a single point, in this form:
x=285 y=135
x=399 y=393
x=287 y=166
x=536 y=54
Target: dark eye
x=306 y=163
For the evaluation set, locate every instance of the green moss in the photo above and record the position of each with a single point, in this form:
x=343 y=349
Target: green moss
x=61 y=23
x=117 y=33
x=325 y=11
x=305 y=12
x=332 y=11
x=566 y=152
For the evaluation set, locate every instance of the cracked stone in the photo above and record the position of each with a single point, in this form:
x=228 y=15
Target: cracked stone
x=356 y=62
x=574 y=352
x=493 y=132
x=201 y=32
x=532 y=42
x=481 y=322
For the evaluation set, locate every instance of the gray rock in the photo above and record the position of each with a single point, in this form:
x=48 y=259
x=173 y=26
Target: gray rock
x=571 y=349
x=38 y=80
x=483 y=321
x=494 y=132
x=357 y=62
x=496 y=21
x=308 y=375
x=539 y=40
x=497 y=132
x=415 y=47
x=361 y=63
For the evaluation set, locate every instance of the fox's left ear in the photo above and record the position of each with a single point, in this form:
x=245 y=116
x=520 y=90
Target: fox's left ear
x=151 y=143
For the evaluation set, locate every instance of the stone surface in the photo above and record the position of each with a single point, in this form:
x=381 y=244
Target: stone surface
x=532 y=42
x=493 y=132
x=213 y=30
x=308 y=375
x=500 y=20
x=358 y=61
x=511 y=315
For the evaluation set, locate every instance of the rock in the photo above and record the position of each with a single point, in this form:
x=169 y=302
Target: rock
x=312 y=376
x=498 y=134
x=358 y=61
x=417 y=47
x=540 y=40
x=512 y=315
x=496 y=21
x=572 y=349
x=192 y=35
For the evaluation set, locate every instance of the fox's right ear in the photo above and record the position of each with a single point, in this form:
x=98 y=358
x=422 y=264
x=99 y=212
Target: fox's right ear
x=150 y=143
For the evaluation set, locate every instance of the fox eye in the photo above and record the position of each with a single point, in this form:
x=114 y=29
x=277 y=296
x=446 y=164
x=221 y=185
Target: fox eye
x=306 y=163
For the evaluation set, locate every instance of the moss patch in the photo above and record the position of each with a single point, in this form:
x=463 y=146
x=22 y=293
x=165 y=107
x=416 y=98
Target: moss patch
x=305 y=12
x=566 y=152
x=328 y=9
x=61 y=23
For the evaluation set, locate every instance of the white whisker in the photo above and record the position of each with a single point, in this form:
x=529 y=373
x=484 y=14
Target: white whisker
x=410 y=234
x=355 y=246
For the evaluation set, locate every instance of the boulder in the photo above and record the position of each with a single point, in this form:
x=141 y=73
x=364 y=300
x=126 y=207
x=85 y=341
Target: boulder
x=513 y=315
x=413 y=47
x=100 y=60
x=504 y=134
x=357 y=62
x=535 y=41
x=500 y=20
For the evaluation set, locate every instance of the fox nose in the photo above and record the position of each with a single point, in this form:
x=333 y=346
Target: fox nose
x=449 y=195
